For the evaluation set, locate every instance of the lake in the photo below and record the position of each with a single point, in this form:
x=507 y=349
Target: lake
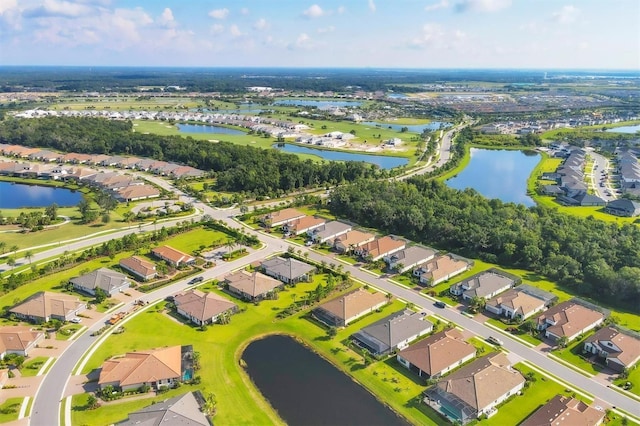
x=206 y=128
x=319 y=104
x=305 y=389
x=13 y=196
x=498 y=174
x=415 y=128
x=380 y=160
x=625 y=129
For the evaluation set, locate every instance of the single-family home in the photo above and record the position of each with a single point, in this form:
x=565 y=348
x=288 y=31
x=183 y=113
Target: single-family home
x=623 y=207
x=352 y=240
x=438 y=354
x=339 y=312
x=136 y=192
x=515 y=303
x=302 y=225
x=565 y=411
x=476 y=388
x=203 y=308
x=173 y=256
x=287 y=270
x=485 y=284
x=618 y=349
x=186 y=409
x=329 y=231
x=405 y=259
x=111 y=282
x=441 y=268
x=18 y=340
x=44 y=306
x=380 y=247
x=143 y=269
x=393 y=332
x=251 y=285
x=568 y=319
x=157 y=368
x=281 y=217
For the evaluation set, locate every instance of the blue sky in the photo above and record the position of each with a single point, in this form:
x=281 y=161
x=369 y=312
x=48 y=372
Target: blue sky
x=323 y=33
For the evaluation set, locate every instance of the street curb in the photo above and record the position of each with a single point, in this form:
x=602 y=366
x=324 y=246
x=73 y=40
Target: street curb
x=569 y=365
x=516 y=338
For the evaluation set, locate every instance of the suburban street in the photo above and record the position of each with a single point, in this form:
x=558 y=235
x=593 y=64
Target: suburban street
x=600 y=173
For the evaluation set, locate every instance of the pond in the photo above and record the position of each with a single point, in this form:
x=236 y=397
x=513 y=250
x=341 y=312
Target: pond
x=17 y=195
x=380 y=160
x=415 y=128
x=625 y=129
x=305 y=389
x=498 y=174
x=205 y=128
x=319 y=104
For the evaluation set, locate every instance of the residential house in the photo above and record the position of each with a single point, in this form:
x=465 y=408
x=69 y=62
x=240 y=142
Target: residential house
x=581 y=199
x=185 y=410
x=203 y=308
x=619 y=350
x=393 y=332
x=44 y=306
x=405 y=259
x=111 y=282
x=438 y=354
x=623 y=207
x=484 y=284
x=287 y=270
x=281 y=217
x=18 y=340
x=172 y=256
x=515 y=303
x=565 y=411
x=568 y=319
x=380 y=247
x=339 y=312
x=157 y=368
x=476 y=389
x=136 y=192
x=251 y=285
x=302 y=225
x=441 y=268
x=352 y=240
x=329 y=231
x=139 y=267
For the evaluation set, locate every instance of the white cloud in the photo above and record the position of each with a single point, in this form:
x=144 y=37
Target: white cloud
x=261 y=24
x=244 y=11
x=235 y=31
x=50 y=8
x=325 y=30
x=314 y=11
x=302 y=42
x=566 y=15
x=219 y=13
x=8 y=5
x=167 y=19
x=217 y=29
x=482 y=5
x=431 y=35
x=341 y=10
x=442 y=4
x=372 y=6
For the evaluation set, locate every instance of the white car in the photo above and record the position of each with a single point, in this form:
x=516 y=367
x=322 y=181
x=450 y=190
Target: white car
x=76 y=320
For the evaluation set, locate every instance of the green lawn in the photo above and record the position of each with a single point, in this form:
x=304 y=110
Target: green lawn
x=572 y=355
x=524 y=336
x=12 y=406
x=67 y=331
x=32 y=366
x=221 y=348
x=192 y=240
x=634 y=378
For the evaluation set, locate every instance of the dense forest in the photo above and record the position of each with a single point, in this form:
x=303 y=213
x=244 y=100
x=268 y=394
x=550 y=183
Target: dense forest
x=237 y=168
x=595 y=258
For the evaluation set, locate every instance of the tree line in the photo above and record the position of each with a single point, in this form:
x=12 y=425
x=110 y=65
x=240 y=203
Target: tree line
x=595 y=258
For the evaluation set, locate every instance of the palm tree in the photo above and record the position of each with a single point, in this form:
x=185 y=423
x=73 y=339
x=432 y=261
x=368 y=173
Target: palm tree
x=3 y=246
x=28 y=255
x=14 y=248
x=210 y=404
x=11 y=262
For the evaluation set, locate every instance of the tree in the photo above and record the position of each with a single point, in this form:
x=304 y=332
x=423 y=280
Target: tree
x=3 y=246
x=100 y=295
x=210 y=404
x=52 y=211
x=92 y=402
x=106 y=218
x=562 y=342
x=11 y=262
x=14 y=248
x=332 y=332
x=28 y=255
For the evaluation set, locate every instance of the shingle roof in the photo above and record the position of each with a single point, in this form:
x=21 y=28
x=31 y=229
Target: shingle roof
x=175 y=256
x=387 y=333
x=438 y=351
x=201 y=305
x=564 y=411
x=252 y=283
x=353 y=303
x=569 y=318
x=182 y=410
x=44 y=304
x=17 y=338
x=518 y=301
x=289 y=268
x=103 y=278
x=143 y=367
x=138 y=265
x=629 y=346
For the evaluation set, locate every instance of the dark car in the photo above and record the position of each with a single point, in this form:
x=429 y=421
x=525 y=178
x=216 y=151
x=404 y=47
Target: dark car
x=440 y=304
x=195 y=280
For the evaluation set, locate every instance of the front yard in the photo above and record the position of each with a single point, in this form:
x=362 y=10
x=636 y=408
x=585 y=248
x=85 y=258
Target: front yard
x=573 y=355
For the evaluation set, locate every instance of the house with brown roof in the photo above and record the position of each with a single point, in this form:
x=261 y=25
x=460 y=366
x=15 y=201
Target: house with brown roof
x=352 y=240
x=441 y=268
x=281 y=217
x=203 y=308
x=302 y=225
x=139 y=267
x=476 y=388
x=515 y=303
x=568 y=319
x=251 y=285
x=339 y=312
x=137 y=192
x=111 y=282
x=618 y=349
x=76 y=158
x=565 y=411
x=380 y=247
x=173 y=256
x=438 y=354
x=405 y=259
x=157 y=368
x=18 y=340
x=44 y=306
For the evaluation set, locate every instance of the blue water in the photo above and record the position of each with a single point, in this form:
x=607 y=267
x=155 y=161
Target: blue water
x=319 y=104
x=498 y=174
x=379 y=160
x=625 y=129
x=205 y=128
x=415 y=128
x=397 y=96
x=14 y=196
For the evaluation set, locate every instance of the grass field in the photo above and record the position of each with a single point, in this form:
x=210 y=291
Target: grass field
x=193 y=240
x=32 y=366
x=571 y=354
x=10 y=409
x=634 y=378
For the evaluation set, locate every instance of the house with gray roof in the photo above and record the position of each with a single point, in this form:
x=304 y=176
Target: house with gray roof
x=287 y=270
x=485 y=284
x=110 y=281
x=623 y=207
x=393 y=332
x=409 y=257
x=329 y=231
x=183 y=410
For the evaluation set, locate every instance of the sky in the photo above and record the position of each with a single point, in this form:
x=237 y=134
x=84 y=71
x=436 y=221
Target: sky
x=548 y=34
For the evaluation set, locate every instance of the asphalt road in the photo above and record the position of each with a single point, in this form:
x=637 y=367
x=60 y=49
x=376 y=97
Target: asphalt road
x=598 y=173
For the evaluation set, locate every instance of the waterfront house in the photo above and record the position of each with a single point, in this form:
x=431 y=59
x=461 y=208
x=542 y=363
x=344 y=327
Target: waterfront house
x=185 y=410
x=339 y=312
x=565 y=411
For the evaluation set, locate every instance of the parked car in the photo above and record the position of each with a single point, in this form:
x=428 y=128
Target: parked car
x=195 y=280
x=495 y=341
x=76 y=320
